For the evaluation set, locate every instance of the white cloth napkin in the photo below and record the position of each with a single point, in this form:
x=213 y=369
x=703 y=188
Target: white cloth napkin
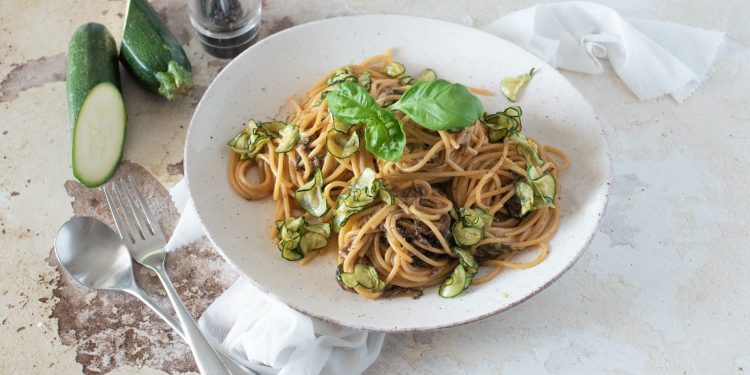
x=255 y=328
x=652 y=58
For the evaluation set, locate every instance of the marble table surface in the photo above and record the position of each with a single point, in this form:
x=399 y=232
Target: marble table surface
x=663 y=288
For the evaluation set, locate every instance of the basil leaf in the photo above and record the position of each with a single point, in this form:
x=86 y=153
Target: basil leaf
x=384 y=135
x=440 y=105
x=351 y=103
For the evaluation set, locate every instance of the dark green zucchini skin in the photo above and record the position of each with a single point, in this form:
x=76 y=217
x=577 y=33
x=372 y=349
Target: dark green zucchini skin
x=152 y=54
x=92 y=59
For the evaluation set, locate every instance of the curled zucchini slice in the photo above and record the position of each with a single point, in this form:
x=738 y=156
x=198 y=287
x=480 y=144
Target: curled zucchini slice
x=365 y=79
x=523 y=202
x=405 y=80
x=363 y=192
x=342 y=145
x=250 y=141
x=340 y=126
x=456 y=283
x=289 y=134
x=503 y=124
x=394 y=69
x=425 y=75
x=363 y=275
x=342 y=140
x=288 y=234
x=314 y=236
x=343 y=74
x=527 y=149
x=512 y=85
x=460 y=279
x=322 y=97
x=310 y=196
x=297 y=237
x=466 y=236
x=466 y=259
x=534 y=193
x=469 y=226
x=544 y=186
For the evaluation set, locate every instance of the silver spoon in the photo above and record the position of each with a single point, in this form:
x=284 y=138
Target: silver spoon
x=95 y=256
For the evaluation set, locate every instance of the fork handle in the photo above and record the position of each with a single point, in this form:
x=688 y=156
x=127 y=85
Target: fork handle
x=231 y=363
x=206 y=358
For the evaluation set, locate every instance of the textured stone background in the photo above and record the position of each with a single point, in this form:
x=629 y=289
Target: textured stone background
x=662 y=289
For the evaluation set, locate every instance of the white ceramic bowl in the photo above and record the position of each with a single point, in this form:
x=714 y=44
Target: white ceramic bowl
x=257 y=83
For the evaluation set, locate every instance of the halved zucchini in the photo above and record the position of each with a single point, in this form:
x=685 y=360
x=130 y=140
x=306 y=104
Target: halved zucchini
x=99 y=135
x=150 y=51
x=97 y=110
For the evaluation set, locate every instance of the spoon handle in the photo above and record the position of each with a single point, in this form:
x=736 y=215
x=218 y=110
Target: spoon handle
x=206 y=358
x=148 y=301
x=230 y=362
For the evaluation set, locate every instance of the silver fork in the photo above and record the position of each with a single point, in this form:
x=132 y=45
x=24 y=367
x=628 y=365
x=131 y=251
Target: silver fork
x=141 y=233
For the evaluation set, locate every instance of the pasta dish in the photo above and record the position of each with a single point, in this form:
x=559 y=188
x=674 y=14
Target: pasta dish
x=405 y=179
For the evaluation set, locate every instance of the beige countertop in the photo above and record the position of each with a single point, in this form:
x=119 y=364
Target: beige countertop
x=662 y=288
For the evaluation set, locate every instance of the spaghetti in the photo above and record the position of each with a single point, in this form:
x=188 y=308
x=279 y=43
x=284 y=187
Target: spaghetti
x=444 y=182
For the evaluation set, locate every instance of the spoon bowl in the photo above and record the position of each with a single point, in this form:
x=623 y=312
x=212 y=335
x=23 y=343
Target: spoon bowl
x=94 y=255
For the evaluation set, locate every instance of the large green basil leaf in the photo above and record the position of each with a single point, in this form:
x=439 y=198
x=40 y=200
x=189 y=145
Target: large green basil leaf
x=440 y=105
x=351 y=103
x=384 y=135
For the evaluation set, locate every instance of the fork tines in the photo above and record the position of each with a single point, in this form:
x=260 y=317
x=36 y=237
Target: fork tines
x=134 y=221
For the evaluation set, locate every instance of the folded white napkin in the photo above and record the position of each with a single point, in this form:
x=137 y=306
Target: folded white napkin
x=652 y=58
x=253 y=327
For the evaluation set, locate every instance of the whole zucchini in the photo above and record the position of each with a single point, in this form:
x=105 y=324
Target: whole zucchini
x=152 y=54
x=97 y=111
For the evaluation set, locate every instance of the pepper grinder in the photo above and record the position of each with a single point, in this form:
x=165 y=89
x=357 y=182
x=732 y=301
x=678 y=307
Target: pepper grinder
x=225 y=27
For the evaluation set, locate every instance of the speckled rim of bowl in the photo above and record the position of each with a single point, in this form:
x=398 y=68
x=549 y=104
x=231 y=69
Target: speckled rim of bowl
x=602 y=210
